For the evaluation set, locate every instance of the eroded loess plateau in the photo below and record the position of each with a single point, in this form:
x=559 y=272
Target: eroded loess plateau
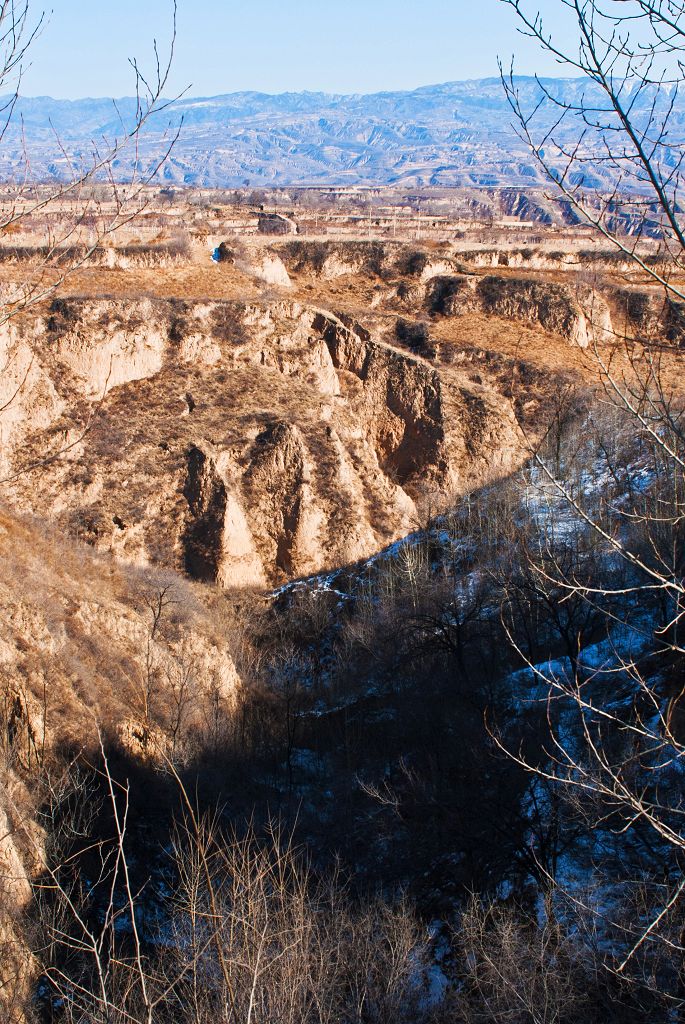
x=293 y=405
x=211 y=428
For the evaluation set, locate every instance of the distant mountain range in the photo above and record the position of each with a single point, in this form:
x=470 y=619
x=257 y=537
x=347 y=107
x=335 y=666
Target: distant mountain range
x=458 y=133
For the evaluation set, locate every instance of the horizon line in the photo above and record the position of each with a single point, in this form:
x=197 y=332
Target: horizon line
x=183 y=97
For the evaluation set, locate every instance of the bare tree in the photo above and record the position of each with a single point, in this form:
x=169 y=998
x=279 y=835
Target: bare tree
x=620 y=124
x=517 y=971
x=259 y=937
x=614 y=708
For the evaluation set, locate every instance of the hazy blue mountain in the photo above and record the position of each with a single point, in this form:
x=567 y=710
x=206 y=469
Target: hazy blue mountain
x=457 y=133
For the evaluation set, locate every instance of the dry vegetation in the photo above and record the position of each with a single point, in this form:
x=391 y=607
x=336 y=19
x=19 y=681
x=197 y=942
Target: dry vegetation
x=225 y=802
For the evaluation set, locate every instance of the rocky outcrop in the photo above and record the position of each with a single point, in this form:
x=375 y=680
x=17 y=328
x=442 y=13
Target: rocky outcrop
x=580 y=315
x=217 y=542
x=438 y=268
x=268 y=268
x=524 y=206
x=448 y=295
x=649 y=316
x=207 y=499
x=334 y=259
x=21 y=860
x=103 y=345
x=531 y=259
x=287 y=517
x=595 y=261
x=438 y=279
x=402 y=400
x=30 y=397
x=123 y=257
x=276 y=224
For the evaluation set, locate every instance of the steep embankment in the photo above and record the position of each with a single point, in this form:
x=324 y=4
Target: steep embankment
x=438 y=283
x=581 y=296
x=247 y=442
x=244 y=444
x=581 y=315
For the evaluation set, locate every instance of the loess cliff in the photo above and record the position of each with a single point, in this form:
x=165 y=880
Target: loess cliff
x=243 y=444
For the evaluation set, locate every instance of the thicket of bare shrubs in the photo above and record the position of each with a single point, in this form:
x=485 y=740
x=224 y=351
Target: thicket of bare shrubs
x=249 y=933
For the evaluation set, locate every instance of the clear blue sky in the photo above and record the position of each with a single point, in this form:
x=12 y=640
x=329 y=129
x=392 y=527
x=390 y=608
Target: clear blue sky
x=278 y=46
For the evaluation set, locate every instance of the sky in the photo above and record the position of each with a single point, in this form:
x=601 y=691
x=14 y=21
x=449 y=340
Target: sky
x=276 y=46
